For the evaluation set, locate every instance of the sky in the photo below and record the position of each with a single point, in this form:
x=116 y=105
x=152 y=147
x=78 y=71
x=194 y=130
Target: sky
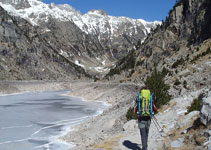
x=149 y=10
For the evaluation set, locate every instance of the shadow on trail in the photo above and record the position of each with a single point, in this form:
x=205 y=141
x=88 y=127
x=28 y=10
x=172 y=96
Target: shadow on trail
x=130 y=145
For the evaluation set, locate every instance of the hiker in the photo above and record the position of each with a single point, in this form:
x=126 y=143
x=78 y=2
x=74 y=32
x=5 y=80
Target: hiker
x=144 y=102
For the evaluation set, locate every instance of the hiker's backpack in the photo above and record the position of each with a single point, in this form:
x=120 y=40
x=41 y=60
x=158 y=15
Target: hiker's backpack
x=145 y=103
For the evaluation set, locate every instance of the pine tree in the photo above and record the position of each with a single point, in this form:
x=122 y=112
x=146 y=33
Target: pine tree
x=157 y=85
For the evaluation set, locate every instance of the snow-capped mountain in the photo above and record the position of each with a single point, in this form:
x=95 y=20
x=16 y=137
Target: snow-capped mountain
x=93 y=40
x=36 y=11
x=96 y=22
x=91 y=22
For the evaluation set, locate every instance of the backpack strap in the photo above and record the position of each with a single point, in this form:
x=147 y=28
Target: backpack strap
x=151 y=104
x=139 y=104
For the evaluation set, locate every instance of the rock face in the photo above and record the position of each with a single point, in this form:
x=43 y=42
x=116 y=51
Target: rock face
x=187 y=120
x=174 y=45
x=27 y=52
x=205 y=114
x=119 y=34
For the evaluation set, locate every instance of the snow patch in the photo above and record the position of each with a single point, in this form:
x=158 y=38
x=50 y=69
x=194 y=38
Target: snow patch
x=101 y=69
x=47 y=30
x=63 y=53
x=98 y=58
x=148 y=25
x=77 y=63
x=142 y=41
x=104 y=62
x=10 y=9
x=181 y=112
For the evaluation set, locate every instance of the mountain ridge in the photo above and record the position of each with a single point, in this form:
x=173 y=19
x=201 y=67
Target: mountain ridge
x=109 y=30
x=93 y=41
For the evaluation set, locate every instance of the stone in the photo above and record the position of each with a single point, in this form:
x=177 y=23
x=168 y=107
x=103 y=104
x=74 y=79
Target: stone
x=208 y=144
x=1 y=30
x=205 y=114
x=177 y=143
x=207 y=133
x=184 y=73
x=184 y=132
x=188 y=119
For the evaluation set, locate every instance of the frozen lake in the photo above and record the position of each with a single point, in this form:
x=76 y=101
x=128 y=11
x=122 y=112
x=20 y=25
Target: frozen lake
x=34 y=121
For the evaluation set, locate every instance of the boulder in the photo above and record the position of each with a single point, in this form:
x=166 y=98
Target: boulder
x=177 y=143
x=184 y=73
x=130 y=125
x=187 y=120
x=207 y=144
x=205 y=114
x=207 y=133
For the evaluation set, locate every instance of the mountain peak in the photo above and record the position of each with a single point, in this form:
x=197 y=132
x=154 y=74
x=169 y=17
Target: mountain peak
x=98 y=12
x=68 y=8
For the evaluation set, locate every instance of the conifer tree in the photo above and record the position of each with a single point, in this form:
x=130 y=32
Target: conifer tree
x=156 y=84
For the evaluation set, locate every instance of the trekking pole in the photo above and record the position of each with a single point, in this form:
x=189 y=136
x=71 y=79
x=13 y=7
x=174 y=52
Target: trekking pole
x=160 y=128
x=155 y=119
x=156 y=126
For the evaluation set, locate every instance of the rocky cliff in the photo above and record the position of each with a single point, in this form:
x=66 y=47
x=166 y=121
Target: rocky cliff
x=180 y=45
x=28 y=52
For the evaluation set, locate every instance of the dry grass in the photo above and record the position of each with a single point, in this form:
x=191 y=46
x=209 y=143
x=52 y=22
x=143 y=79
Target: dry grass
x=191 y=143
x=110 y=144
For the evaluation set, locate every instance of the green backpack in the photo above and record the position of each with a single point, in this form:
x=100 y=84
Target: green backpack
x=145 y=97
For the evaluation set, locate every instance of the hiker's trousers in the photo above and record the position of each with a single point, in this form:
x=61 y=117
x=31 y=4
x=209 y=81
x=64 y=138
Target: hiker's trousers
x=144 y=130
